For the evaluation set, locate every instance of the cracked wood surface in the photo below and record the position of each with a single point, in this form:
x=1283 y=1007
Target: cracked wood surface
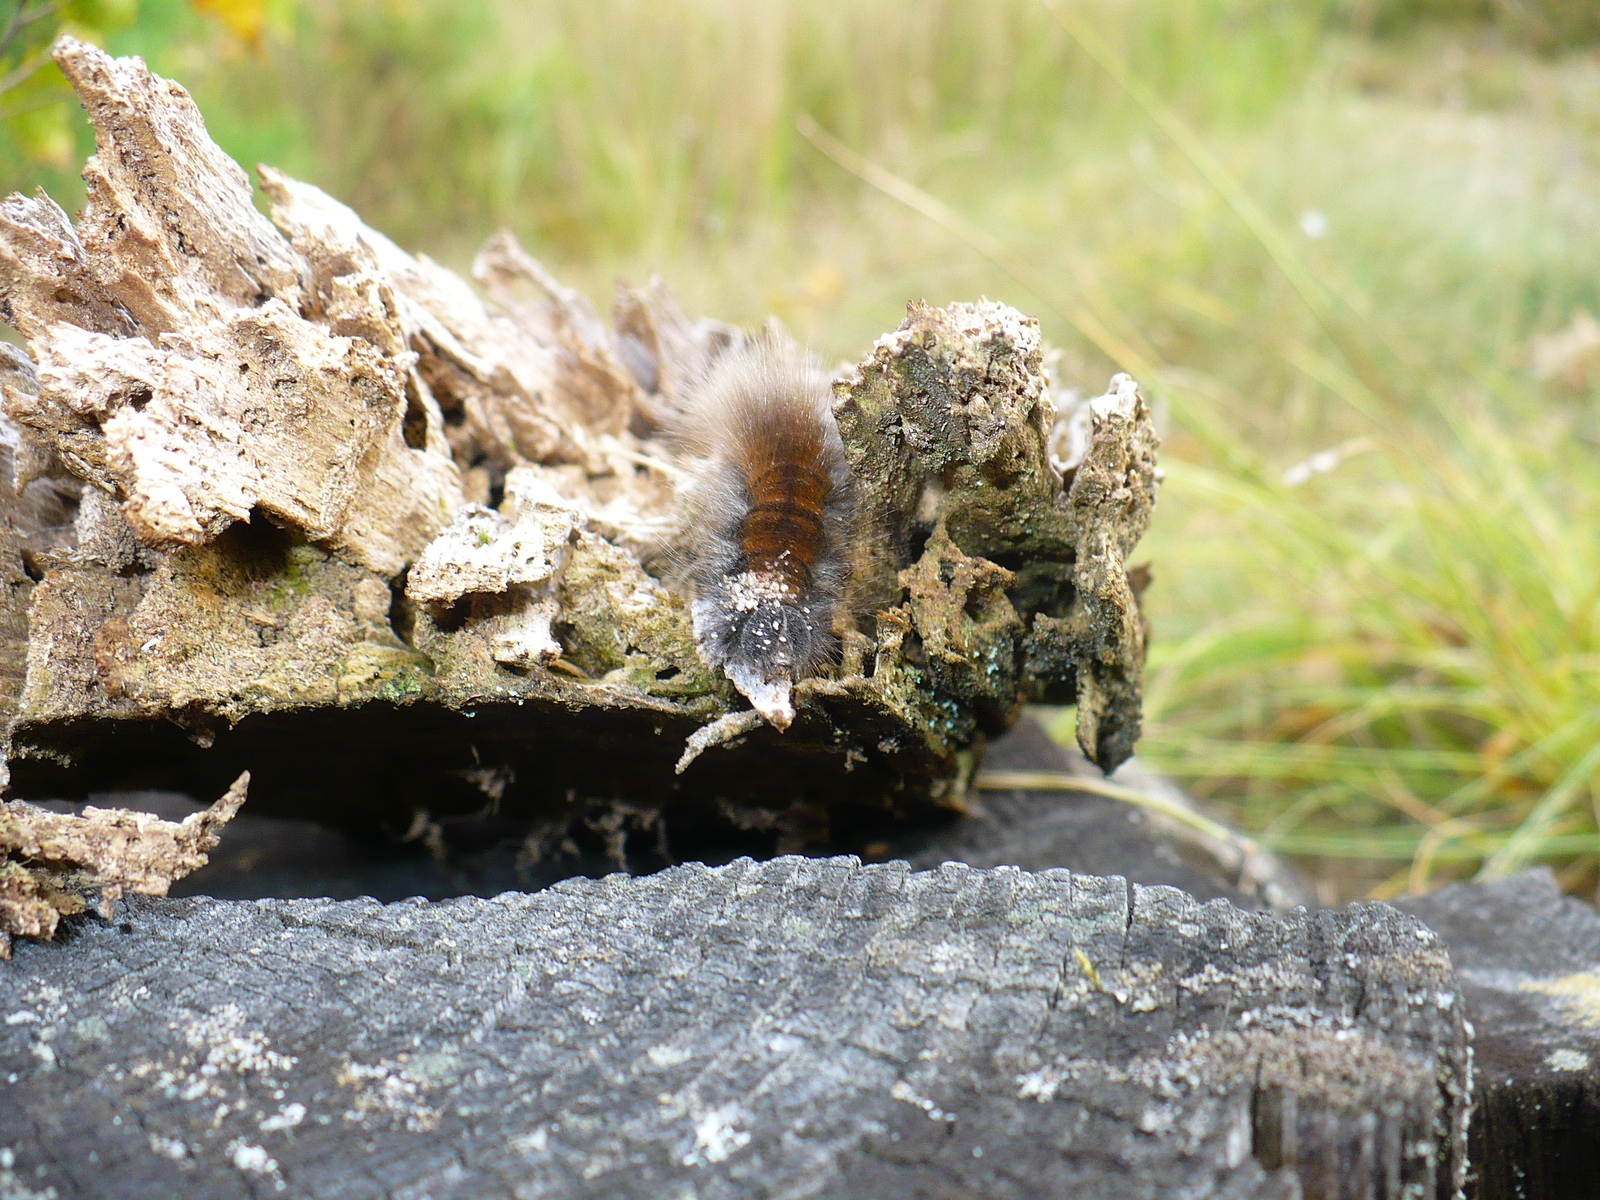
x=175 y=367
x=791 y=1028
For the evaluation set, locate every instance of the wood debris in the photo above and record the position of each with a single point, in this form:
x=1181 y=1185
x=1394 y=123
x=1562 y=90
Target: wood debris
x=49 y=861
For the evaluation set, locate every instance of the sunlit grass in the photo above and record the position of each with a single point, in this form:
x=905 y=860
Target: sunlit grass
x=1412 y=670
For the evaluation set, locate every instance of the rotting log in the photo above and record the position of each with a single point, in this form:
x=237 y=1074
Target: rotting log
x=290 y=499
x=1527 y=965
x=791 y=1028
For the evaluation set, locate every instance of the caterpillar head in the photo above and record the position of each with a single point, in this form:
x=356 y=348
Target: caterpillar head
x=764 y=638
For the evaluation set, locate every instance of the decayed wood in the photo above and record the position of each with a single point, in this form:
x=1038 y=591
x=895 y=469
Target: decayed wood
x=329 y=493
x=49 y=860
x=791 y=1028
x=510 y=561
x=964 y=425
x=175 y=368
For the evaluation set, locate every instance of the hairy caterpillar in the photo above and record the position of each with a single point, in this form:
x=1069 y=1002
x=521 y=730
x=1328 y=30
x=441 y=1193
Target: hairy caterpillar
x=765 y=519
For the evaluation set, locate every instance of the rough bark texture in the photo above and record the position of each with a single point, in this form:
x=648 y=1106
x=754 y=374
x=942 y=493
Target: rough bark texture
x=948 y=426
x=319 y=492
x=1527 y=963
x=793 y=1028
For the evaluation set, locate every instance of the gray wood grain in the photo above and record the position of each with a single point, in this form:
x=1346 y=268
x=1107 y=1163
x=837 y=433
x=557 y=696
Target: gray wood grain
x=1528 y=963
x=790 y=1028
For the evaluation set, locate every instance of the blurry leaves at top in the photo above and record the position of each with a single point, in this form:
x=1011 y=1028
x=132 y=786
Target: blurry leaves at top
x=33 y=94
x=42 y=133
x=596 y=128
x=245 y=19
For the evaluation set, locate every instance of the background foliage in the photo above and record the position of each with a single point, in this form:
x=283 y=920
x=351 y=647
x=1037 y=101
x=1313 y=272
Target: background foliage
x=1349 y=246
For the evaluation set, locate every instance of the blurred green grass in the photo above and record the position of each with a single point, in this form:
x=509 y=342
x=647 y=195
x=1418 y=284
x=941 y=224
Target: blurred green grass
x=1375 y=556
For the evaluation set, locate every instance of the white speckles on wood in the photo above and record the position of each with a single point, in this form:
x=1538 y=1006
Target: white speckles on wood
x=791 y=1028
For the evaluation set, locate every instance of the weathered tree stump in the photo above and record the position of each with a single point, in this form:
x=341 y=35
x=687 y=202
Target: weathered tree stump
x=1527 y=964
x=791 y=1028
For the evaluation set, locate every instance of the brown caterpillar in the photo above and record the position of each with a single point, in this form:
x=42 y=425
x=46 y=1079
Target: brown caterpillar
x=765 y=518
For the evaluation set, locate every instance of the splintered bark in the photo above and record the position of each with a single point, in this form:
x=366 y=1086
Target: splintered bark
x=48 y=860
x=283 y=496
x=785 y=1029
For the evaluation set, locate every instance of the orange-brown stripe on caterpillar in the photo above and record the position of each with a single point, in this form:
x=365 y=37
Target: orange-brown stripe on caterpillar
x=765 y=520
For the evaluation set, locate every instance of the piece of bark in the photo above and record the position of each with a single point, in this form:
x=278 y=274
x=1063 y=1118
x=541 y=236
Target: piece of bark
x=948 y=426
x=664 y=350
x=278 y=429
x=49 y=860
x=507 y=397
x=38 y=510
x=510 y=562
x=791 y=1028
x=601 y=388
x=1527 y=963
x=175 y=368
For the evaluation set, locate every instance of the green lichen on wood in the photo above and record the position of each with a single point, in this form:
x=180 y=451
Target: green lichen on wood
x=948 y=426
x=968 y=630
x=241 y=625
x=625 y=628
